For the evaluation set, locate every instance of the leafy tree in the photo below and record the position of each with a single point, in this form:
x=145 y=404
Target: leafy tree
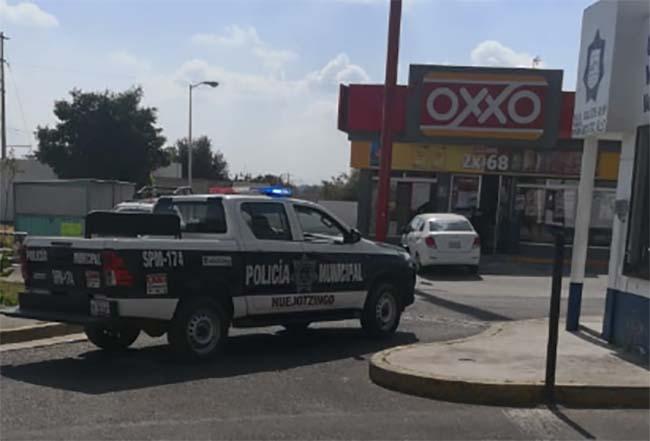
x=343 y=187
x=104 y=135
x=205 y=163
x=267 y=178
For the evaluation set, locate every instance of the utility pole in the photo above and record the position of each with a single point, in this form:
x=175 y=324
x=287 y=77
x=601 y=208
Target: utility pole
x=3 y=129
x=385 y=162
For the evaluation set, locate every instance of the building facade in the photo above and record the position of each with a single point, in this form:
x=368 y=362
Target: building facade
x=503 y=189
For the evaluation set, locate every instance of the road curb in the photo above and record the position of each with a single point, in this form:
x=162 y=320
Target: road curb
x=420 y=384
x=36 y=332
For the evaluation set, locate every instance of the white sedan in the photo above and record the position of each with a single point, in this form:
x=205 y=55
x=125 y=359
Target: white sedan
x=442 y=239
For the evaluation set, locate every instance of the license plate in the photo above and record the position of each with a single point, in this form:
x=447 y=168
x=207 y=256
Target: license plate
x=100 y=308
x=454 y=244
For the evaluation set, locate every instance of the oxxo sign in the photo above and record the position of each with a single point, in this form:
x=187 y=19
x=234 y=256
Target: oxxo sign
x=470 y=105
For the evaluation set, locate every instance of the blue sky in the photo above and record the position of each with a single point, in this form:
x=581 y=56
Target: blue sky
x=279 y=62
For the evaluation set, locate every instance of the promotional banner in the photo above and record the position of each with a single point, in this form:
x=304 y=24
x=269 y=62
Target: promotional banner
x=481 y=159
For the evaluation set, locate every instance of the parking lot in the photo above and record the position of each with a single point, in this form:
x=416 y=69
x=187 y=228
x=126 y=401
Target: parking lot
x=274 y=385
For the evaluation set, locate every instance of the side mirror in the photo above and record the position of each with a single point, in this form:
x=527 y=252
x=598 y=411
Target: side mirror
x=353 y=236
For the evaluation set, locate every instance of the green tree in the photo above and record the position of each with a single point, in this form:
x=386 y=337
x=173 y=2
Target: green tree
x=104 y=135
x=205 y=163
x=344 y=187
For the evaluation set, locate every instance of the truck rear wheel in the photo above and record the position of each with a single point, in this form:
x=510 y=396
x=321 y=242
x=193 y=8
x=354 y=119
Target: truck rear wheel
x=199 y=330
x=112 y=339
x=381 y=313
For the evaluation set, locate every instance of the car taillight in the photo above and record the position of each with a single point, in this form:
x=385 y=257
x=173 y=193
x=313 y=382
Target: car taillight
x=115 y=272
x=477 y=242
x=431 y=242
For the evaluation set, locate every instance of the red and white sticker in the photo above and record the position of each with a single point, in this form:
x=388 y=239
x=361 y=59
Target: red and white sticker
x=93 y=279
x=156 y=284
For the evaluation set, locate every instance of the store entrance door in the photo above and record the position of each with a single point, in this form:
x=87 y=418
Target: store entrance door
x=486 y=221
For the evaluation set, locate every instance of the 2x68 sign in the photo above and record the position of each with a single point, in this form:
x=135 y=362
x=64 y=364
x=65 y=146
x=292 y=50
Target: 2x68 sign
x=484 y=105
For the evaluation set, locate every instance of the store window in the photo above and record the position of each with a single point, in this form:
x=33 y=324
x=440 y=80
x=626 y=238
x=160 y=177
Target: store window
x=533 y=210
x=636 y=262
x=408 y=197
x=465 y=194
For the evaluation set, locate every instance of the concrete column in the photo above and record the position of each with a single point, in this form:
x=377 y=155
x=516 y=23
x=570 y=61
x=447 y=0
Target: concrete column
x=581 y=233
x=619 y=230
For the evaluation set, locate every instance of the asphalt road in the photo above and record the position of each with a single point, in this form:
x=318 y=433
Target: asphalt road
x=273 y=385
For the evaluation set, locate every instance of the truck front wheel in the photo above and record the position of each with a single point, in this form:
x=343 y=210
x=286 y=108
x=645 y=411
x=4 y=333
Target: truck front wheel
x=199 y=330
x=113 y=338
x=381 y=313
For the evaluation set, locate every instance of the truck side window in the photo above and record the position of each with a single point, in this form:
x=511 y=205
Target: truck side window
x=318 y=226
x=196 y=216
x=267 y=220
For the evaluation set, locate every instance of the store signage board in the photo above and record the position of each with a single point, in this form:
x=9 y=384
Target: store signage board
x=613 y=84
x=479 y=105
x=475 y=159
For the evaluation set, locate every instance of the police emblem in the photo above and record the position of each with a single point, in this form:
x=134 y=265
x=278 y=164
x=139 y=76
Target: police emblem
x=304 y=271
x=595 y=67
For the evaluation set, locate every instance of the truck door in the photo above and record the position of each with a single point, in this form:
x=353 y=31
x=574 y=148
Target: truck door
x=340 y=271
x=271 y=252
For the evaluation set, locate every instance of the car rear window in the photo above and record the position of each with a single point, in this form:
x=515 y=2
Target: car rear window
x=196 y=216
x=450 y=225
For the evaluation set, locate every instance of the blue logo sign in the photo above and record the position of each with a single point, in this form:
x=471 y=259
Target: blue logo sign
x=595 y=68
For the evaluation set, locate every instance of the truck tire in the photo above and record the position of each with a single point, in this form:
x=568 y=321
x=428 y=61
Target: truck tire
x=112 y=339
x=199 y=330
x=382 y=312
x=296 y=327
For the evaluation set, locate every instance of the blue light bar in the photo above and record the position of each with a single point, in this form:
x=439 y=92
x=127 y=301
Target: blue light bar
x=276 y=191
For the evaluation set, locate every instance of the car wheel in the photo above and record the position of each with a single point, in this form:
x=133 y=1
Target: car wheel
x=381 y=313
x=418 y=263
x=112 y=338
x=199 y=330
x=296 y=327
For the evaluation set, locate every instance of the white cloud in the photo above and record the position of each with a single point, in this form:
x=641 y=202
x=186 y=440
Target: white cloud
x=338 y=70
x=247 y=38
x=493 y=53
x=27 y=14
x=262 y=123
x=234 y=36
x=127 y=60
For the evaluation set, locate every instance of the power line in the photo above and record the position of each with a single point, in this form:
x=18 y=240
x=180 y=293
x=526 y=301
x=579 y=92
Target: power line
x=3 y=109
x=17 y=93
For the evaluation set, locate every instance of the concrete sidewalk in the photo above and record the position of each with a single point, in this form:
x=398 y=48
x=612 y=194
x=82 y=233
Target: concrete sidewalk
x=15 y=330
x=505 y=365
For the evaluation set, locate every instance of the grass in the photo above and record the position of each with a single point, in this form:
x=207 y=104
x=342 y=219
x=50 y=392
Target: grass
x=9 y=293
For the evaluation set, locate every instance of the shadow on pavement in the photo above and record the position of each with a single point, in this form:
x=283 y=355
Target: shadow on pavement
x=505 y=265
x=448 y=273
x=591 y=336
x=481 y=314
x=569 y=422
x=99 y=372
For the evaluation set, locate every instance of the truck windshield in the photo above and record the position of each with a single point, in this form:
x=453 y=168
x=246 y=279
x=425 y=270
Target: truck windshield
x=196 y=216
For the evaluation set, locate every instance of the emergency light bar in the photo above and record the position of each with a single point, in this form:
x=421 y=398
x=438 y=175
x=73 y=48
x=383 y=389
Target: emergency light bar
x=271 y=190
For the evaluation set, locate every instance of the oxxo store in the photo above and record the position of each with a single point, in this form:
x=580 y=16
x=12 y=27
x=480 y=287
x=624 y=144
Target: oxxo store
x=502 y=188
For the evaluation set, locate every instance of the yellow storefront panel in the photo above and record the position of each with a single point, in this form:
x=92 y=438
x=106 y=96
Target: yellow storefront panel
x=481 y=160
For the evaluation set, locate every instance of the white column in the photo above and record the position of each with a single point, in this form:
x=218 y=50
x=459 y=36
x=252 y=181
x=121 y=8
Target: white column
x=581 y=233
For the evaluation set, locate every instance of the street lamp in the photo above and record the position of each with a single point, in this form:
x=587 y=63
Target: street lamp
x=189 y=135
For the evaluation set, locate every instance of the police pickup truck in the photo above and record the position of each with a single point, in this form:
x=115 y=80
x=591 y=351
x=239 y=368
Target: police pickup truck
x=200 y=264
